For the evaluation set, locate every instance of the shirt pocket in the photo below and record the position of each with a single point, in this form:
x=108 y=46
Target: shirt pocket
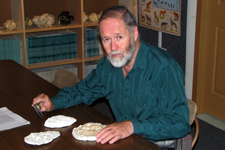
x=145 y=107
x=109 y=94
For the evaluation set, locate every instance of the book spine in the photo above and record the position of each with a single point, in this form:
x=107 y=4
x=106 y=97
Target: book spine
x=2 y=49
x=16 y=51
x=73 y=45
x=95 y=45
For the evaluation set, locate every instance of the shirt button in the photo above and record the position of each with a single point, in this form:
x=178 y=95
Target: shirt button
x=143 y=104
x=126 y=99
x=127 y=82
x=125 y=117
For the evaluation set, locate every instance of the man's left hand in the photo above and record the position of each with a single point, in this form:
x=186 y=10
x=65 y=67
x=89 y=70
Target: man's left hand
x=114 y=132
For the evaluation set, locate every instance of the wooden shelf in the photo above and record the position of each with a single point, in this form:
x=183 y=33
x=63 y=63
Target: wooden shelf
x=93 y=58
x=8 y=32
x=90 y=24
x=54 y=63
x=54 y=27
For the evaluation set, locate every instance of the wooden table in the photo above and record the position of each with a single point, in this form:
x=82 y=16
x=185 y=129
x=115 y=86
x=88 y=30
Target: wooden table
x=18 y=87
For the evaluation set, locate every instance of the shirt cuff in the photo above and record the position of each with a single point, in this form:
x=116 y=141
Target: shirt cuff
x=138 y=127
x=56 y=101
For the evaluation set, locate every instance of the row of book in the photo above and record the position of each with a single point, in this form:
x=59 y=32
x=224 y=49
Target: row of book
x=10 y=48
x=92 y=46
x=51 y=46
x=48 y=73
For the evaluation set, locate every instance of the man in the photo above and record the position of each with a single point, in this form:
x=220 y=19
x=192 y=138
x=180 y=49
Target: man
x=144 y=84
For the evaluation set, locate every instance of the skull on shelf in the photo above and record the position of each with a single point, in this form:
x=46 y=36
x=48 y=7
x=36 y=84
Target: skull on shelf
x=10 y=24
x=45 y=20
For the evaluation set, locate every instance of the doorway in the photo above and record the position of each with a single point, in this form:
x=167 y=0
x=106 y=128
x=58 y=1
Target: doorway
x=209 y=66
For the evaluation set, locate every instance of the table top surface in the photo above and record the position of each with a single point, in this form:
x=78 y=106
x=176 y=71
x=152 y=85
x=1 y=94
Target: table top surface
x=18 y=88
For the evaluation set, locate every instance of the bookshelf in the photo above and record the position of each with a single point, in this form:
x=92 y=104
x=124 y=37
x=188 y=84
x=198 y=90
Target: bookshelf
x=18 y=10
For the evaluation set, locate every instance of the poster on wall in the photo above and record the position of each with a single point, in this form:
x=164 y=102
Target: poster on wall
x=161 y=15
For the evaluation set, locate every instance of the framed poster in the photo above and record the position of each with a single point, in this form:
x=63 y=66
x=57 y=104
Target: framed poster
x=161 y=15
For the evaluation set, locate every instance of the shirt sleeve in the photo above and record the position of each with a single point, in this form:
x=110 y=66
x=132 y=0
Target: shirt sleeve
x=172 y=121
x=86 y=91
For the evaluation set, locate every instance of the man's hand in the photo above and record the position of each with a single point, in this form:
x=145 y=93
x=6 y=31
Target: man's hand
x=44 y=101
x=115 y=132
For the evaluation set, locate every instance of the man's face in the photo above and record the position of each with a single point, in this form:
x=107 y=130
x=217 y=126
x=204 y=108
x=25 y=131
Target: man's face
x=117 y=42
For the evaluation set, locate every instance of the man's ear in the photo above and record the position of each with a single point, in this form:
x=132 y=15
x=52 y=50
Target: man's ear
x=135 y=34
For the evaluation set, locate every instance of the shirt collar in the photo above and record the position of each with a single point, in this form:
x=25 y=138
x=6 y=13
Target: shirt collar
x=141 y=58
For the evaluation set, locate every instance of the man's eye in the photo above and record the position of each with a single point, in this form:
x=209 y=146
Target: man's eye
x=105 y=40
x=120 y=37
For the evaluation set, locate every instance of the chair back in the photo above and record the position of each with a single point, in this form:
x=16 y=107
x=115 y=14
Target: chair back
x=64 y=78
x=193 y=119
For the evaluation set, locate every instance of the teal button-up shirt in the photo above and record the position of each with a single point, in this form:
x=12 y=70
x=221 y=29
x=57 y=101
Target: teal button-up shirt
x=152 y=95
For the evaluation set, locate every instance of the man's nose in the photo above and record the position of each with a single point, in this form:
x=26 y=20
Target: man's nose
x=114 y=45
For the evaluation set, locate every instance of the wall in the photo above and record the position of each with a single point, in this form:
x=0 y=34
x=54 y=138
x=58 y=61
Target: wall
x=190 y=49
x=127 y=3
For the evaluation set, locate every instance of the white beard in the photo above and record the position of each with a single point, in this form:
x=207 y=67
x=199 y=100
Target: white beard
x=120 y=62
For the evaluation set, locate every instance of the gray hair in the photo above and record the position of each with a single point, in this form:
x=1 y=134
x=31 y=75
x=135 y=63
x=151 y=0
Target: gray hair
x=119 y=12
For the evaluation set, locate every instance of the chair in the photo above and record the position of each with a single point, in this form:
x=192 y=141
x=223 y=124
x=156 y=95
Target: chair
x=64 y=78
x=193 y=119
x=187 y=142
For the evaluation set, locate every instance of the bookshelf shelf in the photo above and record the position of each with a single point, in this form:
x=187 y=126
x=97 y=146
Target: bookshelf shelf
x=54 y=63
x=55 y=27
x=19 y=10
x=93 y=58
x=8 y=32
x=90 y=24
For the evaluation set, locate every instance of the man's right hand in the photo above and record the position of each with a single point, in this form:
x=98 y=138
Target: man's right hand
x=45 y=103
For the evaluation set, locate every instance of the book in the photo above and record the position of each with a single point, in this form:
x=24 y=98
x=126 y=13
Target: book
x=2 y=49
x=10 y=48
x=91 y=42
